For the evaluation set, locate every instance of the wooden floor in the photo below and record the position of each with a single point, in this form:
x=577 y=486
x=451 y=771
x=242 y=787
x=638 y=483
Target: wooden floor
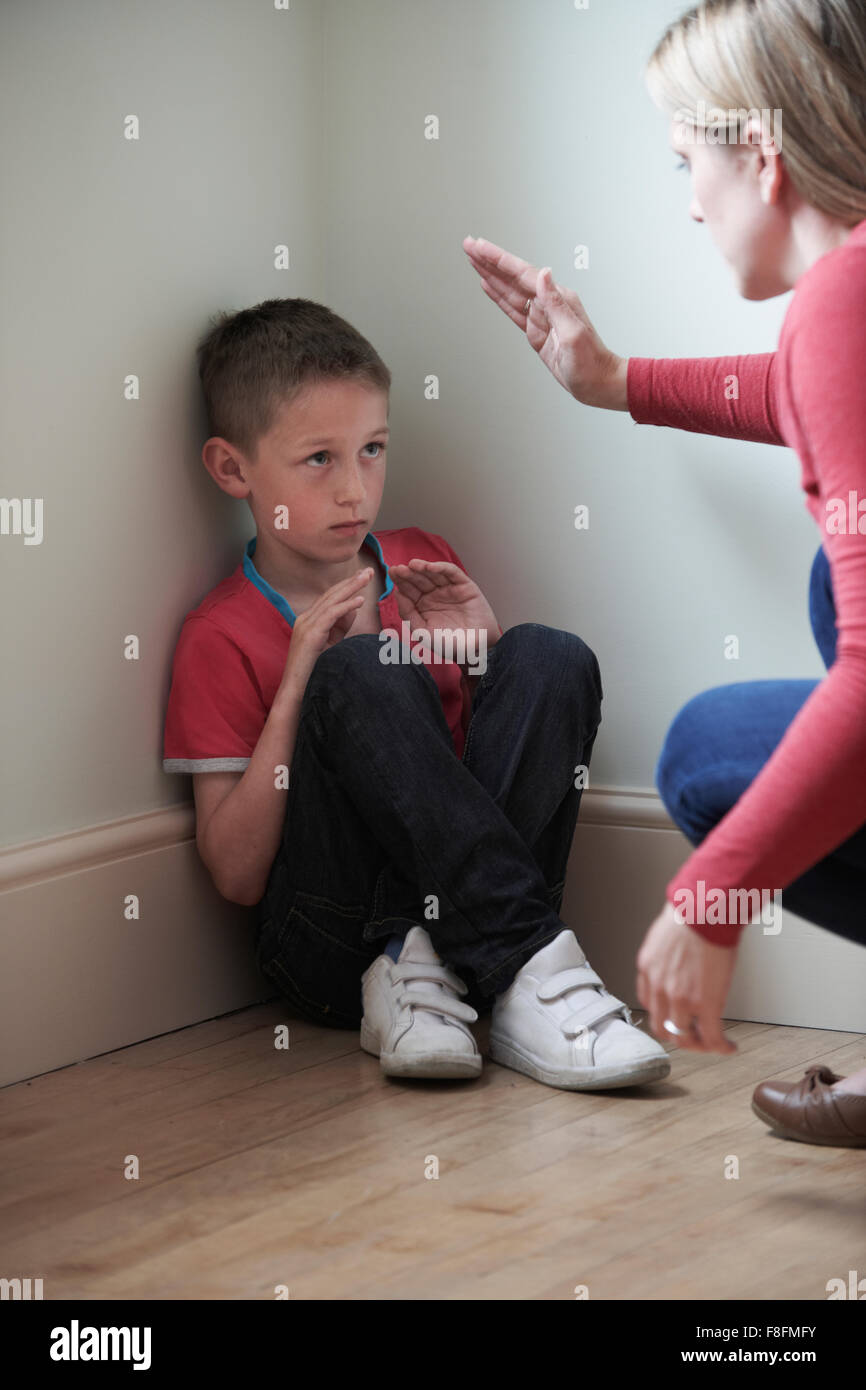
x=306 y=1168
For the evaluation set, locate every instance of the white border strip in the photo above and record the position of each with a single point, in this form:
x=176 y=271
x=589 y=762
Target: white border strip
x=23 y=865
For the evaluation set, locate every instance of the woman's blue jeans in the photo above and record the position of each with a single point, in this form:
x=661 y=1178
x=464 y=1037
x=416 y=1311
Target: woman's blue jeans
x=719 y=742
x=387 y=828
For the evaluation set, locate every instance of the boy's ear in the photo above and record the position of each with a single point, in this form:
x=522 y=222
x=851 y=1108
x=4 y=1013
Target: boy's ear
x=227 y=466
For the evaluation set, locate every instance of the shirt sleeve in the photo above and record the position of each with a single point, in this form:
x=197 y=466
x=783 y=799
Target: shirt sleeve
x=810 y=796
x=728 y=396
x=215 y=710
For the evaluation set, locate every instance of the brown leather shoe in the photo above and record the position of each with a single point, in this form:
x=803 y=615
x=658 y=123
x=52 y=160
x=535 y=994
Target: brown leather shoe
x=809 y=1110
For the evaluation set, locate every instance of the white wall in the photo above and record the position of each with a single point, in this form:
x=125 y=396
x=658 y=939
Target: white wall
x=114 y=255
x=306 y=126
x=548 y=140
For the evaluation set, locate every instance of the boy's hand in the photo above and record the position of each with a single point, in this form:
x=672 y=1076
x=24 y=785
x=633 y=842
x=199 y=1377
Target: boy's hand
x=325 y=622
x=437 y=593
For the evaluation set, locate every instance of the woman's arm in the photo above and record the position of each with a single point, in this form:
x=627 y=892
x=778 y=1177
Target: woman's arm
x=810 y=796
x=729 y=396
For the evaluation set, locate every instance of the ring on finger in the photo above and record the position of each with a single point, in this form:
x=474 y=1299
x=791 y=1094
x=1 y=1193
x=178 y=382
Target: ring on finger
x=670 y=1027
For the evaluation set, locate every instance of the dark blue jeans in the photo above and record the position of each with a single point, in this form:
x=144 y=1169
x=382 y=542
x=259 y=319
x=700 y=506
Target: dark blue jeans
x=718 y=744
x=384 y=821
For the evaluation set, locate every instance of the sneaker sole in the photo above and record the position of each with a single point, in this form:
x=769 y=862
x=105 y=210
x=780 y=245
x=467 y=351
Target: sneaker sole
x=854 y=1142
x=423 y=1065
x=508 y=1054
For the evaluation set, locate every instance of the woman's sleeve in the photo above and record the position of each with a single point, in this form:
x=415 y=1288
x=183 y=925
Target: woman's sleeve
x=729 y=396
x=810 y=796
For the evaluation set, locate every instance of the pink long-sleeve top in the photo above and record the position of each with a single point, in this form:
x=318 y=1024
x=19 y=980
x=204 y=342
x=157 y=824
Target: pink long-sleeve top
x=810 y=394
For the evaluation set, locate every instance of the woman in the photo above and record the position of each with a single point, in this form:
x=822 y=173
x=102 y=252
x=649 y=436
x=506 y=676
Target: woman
x=766 y=778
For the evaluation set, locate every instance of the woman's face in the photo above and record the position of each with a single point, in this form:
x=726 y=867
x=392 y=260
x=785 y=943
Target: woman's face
x=731 y=192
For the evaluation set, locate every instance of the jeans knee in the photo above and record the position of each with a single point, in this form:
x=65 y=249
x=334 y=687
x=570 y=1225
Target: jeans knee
x=586 y=660
x=677 y=741
x=346 y=658
x=362 y=664
x=689 y=731
x=363 y=646
x=544 y=645
x=822 y=607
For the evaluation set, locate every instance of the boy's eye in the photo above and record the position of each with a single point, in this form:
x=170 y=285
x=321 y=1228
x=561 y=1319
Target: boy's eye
x=323 y=453
x=682 y=165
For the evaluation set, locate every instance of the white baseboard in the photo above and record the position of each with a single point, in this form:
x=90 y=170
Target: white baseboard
x=79 y=978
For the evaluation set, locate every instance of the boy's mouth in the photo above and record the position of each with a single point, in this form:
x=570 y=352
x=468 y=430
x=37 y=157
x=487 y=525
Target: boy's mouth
x=348 y=526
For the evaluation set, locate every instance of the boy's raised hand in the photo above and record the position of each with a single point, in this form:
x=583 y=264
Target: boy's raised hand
x=325 y=622
x=438 y=594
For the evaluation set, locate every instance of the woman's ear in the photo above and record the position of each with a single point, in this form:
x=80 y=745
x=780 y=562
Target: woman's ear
x=770 y=168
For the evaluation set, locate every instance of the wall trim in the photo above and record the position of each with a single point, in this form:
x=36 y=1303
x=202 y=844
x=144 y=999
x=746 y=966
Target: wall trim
x=88 y=848
x=188 y=955
x=95 y=845
x=638 y=808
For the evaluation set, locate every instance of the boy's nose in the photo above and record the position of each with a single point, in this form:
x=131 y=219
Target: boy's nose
x=351 y=487
x=349 y=496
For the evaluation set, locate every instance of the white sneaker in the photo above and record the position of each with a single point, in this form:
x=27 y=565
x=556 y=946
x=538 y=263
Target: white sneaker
x=412 y=1021
x=557 y=1023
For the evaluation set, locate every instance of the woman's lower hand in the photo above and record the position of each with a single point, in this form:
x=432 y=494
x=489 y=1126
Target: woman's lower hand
x=557 y=325
x=685 y=979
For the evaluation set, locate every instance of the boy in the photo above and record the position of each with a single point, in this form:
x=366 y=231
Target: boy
x=354 y=798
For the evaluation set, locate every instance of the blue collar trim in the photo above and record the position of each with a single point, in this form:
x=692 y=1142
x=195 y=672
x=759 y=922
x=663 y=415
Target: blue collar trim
x=279 y=602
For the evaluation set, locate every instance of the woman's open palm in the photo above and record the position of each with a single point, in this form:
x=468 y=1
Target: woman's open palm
x=557 y=325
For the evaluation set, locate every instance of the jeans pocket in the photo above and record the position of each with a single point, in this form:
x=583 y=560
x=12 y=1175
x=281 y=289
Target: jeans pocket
x=317 y=955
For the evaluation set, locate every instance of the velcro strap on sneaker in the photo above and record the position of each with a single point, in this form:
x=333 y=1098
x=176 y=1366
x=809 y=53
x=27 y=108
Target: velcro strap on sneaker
x=423 y=970
x=438 y=1002
x=565 y=980
x=602 y=1006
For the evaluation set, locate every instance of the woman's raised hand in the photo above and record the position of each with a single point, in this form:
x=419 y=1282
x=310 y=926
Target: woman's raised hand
x=557 y=325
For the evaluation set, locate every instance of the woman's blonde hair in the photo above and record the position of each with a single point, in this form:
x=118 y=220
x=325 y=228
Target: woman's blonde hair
x=805 y=59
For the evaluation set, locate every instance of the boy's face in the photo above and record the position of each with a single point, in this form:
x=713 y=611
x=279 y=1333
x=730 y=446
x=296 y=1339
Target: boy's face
x=324 y=462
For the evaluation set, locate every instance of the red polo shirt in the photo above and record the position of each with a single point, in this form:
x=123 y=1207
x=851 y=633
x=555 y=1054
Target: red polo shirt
x=231 y=655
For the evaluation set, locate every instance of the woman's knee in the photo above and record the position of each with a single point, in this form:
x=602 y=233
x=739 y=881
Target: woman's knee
x=822 y=607
x=687 y=755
